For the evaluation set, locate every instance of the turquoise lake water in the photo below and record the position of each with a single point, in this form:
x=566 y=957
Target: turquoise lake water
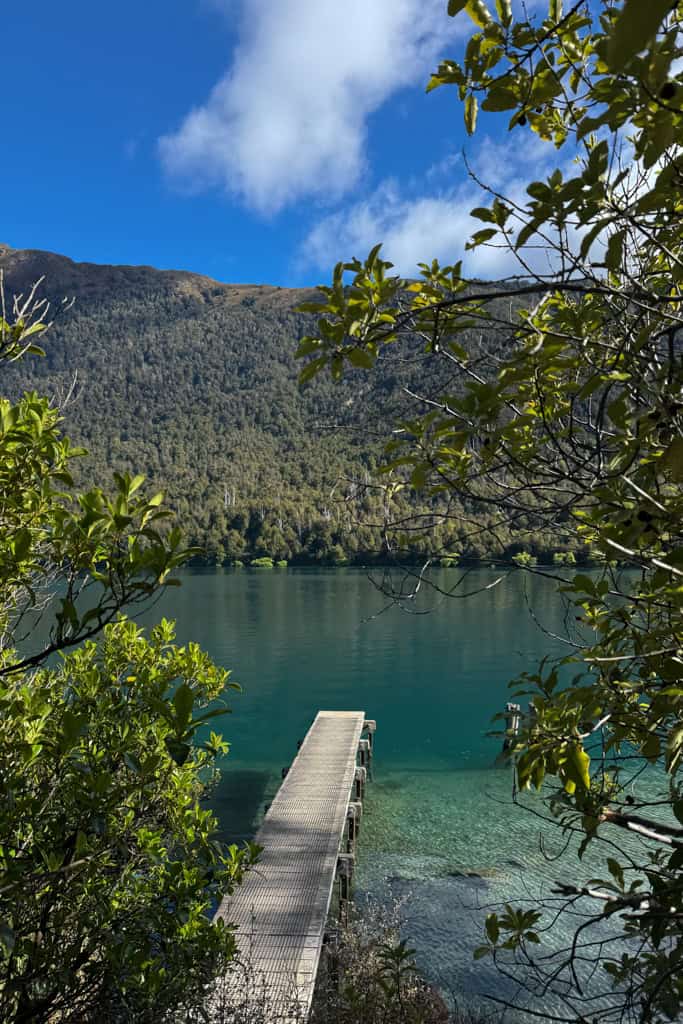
x=440 y=834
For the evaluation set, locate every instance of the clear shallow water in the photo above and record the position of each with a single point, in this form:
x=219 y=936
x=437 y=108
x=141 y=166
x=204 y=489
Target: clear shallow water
x=440 y=833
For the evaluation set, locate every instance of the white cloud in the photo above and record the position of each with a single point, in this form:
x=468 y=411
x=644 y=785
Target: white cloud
x=420 y=224
x=288 y=119
x=412 y=229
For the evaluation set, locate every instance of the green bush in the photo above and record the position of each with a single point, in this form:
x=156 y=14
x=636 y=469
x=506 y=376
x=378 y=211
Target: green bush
x=524 y=559
x=109 y=863
x=370 y=977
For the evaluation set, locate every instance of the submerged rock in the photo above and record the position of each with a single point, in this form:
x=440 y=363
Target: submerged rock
x=468 y=876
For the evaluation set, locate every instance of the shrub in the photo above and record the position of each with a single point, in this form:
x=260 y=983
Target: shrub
x=524 y=559
x=370 y=977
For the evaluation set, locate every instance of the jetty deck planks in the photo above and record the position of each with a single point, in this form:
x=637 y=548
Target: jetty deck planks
x=282 y=906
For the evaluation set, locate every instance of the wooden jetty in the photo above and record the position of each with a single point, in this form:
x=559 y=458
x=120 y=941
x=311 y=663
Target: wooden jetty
x=308 y=838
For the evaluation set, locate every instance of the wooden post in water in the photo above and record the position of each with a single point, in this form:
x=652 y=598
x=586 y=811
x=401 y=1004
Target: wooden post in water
x=370 y=727
x=345 y=863
x=368 y=744
x=353 y=825
x=513 y=717
x=331 y=948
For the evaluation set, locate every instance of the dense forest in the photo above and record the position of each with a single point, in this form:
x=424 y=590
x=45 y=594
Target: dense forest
x=195 y=384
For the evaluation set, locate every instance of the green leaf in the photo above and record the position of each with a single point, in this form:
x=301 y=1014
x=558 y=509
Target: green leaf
x=673 y=459
x=72 y=726
x=615 y=250
x=651 y=748
x=456 y=6
x=578 y=763
x=636 y=25
x=616 y=871
x=311 y=369
x=526 y=232
x=372 y=256
x=555 y=10
x=492 y=928
x=183 y=702
x=68 y=612
x=589 y=238
x=306 y=346
x=478 y=12
x=178 y=750
x=483 y=213
x=21 y=544
x=36 y=328
x=591 y=385
x=674 y=749
x=360 y=357
x=504 y=9
x=418 y=477
x=479 y=237
x=471 y=107
x=500 y=97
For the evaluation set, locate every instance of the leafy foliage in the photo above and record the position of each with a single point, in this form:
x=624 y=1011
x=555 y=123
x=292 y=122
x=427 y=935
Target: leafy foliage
x=109 y=863
x=582 y=428
x=109 y=866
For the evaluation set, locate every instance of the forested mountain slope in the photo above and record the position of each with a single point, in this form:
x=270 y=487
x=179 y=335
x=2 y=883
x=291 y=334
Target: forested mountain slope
x=194 y=383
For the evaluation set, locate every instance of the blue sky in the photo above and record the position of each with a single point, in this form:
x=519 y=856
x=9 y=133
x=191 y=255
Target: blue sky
x=243 y=139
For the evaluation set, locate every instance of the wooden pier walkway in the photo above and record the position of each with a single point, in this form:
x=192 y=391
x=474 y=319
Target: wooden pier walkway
x=281 y=909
